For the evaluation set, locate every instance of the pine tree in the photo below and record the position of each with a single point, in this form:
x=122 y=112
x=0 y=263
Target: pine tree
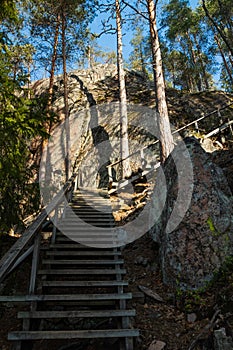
x=186 y=35
x=138 y=58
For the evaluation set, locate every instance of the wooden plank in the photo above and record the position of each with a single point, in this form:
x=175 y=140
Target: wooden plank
x=81 y=272
x=85 y=229
x=35 y=262
x=73 y=314
x=55 y=226
x=84 y=304
x=219 y=129
x=74 y=238
x=21 y=259
x=84 y=334
x=90 y=236
x=85 y=284
x=74 y=245
x=82 y=262
x=83 y=253
x=64 y=297
x=93 y=218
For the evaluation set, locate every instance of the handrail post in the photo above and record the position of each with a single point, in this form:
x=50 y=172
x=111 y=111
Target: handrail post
x=35 y=262
x=143 y=163
x=76 y=183
x=55 y=226
x=223 y=140
x=231 y=129
x=110 y=177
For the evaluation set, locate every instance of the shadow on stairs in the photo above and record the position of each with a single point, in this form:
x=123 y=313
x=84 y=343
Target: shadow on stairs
x=79 y=293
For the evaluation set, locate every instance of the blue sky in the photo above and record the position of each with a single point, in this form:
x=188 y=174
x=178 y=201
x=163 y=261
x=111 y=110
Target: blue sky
x=108 y=42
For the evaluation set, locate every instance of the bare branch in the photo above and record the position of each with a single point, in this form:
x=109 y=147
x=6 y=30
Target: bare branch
x=136 y=10
x=107 y=30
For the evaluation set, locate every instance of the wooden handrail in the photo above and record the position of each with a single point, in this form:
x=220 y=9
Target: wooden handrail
x=10 y=258
x=173 y=133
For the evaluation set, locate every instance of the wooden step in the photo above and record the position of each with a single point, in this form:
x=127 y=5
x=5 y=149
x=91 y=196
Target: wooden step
x=88 y=230
x=84 y=334
x=105 y=209
x=82 y=262
x=92 y=245
x=82 y=272
x=83 y=253
x=65 y=297
x=76 y=314
x=74 y=235
x=89 y=235
x=84 y=283
x=90 y=218
x=74 y=245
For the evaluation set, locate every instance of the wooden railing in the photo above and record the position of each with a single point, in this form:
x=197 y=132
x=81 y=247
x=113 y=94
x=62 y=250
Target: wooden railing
x=195 y=122
x=29 y=242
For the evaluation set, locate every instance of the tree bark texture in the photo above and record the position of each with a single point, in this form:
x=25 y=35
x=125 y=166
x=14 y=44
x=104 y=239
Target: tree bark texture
x=53 y=65
x=126 y=170
x=216 y=26
x=166 y=139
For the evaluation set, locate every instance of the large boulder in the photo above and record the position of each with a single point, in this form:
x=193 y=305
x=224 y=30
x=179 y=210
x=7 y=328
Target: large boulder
x=195 y=250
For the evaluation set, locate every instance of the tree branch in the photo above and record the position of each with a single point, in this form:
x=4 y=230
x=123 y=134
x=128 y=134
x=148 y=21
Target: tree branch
x=135 y=9
x=111 y=30
x=215 y=24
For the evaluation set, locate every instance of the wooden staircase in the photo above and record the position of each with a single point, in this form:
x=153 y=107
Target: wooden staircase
x=79 y=286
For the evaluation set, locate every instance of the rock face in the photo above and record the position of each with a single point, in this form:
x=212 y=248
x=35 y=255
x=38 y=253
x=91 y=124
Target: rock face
x=199 y=245
x=221 y=340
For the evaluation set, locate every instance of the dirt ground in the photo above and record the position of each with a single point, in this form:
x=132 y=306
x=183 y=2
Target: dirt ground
x=182 y=320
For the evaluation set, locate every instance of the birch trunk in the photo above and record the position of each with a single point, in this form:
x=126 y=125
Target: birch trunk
x=126 y=170
x=166 y=139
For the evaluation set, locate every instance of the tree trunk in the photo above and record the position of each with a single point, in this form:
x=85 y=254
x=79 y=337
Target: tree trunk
x=195 y=74
x=228 y=69
x=126 y=170
x=166 y=139
x=66 y=103
x=201 y=63
x=53 y=65
x=44 y=143
x=216 y=26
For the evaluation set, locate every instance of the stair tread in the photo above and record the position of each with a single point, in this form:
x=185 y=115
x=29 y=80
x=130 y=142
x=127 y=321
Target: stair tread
x=82 y=262
x=65 y=297
x=70 y=314
x=85 y=334
x=84 y=283
x=83 y=253
x=81 y=271
x=74 y=245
